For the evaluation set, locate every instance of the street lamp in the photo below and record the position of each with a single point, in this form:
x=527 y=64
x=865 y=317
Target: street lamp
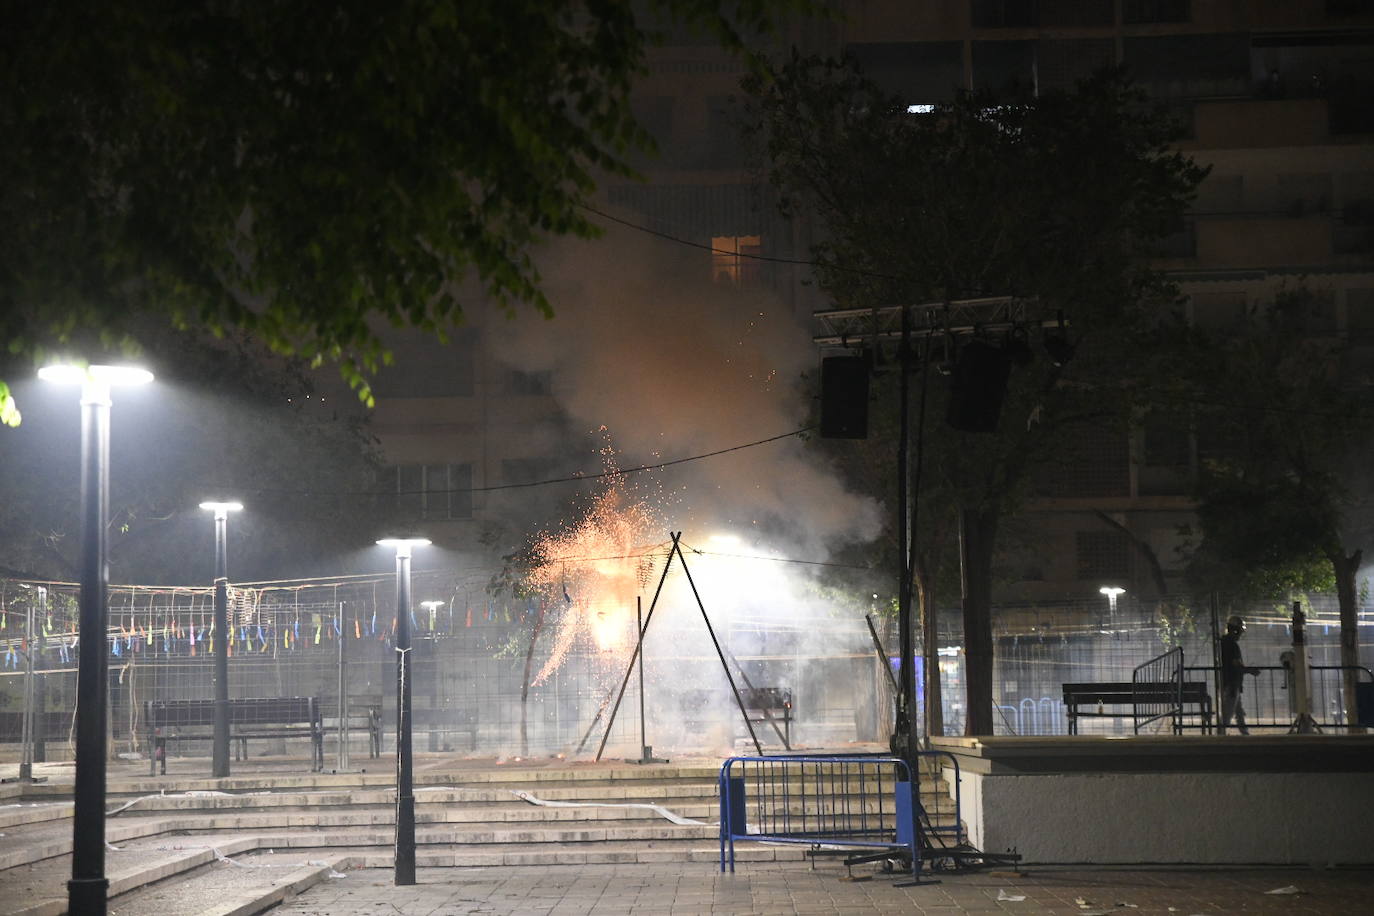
x=88 y=888
x=433 y=606
x=220 y=766
x=405 y=796
x=1111 y=591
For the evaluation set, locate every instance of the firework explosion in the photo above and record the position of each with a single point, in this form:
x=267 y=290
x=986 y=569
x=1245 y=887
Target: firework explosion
x=594 y=568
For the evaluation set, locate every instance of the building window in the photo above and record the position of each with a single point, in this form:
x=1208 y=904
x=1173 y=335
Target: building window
x=1221 y=195
x=1181 y=244
x=1166 y=450
x=1354 y=231
x=734 y=259
x=1359 y=313
x=1004 y=14
x=529 y=383
x=1059 y=63
x=1102 y=555
x=1166 y=441
x=1003 y=65
x=725 y=148
x=1080 y=13
x=434 y=491
x=1304 y=194
x=1221 y=311
x=917 y=72
x=1140 y=12
x=1190 y=66
x=426 y=368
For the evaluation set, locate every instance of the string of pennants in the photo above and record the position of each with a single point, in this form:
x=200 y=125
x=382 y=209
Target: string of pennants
x=189 y=631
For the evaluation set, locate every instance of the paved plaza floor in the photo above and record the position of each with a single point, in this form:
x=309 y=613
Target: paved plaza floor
x=796 y=888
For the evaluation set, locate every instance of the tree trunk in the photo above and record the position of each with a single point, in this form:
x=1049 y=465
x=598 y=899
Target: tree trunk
x=1345 y=569
x=525 y=683
x=930 y=646
x=977 y=531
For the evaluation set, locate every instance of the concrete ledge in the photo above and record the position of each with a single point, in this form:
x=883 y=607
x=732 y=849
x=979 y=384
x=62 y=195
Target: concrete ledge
x=1154 y=753
x=1276 y=800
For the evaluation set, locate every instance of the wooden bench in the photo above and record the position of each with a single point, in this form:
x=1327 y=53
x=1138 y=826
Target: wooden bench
x=249 y=717
x=1117 y=694
x=769 y=705
x=364 y=714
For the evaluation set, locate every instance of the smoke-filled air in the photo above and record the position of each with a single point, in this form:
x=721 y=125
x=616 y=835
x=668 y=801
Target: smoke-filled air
x=659 y=363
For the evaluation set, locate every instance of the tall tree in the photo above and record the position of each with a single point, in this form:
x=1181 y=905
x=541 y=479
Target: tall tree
x=296 y=171
x=1053 y=198
x=1286 y=502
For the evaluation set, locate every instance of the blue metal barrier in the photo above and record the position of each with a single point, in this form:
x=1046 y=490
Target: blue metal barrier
x=852 y=801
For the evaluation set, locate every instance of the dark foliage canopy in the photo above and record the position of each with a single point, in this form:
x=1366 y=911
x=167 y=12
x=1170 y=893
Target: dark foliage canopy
x=295 y=171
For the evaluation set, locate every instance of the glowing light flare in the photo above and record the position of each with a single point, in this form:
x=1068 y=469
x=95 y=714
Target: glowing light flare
x=95 y=381
x=608 y=629
x=590 y=571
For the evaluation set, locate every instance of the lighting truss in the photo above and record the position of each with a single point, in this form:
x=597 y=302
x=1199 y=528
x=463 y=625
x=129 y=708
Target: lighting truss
x=854 y=327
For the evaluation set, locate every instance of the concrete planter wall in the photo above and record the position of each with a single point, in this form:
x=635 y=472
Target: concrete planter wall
x=1291 y=800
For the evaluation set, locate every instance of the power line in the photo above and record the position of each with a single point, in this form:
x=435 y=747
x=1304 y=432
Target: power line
x=745 y=556
x=858 y=271
x=537 y=483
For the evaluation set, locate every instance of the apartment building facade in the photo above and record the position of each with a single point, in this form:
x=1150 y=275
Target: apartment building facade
x=1276 y=97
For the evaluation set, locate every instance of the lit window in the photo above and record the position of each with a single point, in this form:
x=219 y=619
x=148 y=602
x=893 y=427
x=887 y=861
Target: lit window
x=733 y=259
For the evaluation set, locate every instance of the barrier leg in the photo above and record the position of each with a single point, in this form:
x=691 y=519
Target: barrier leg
x=908 y=830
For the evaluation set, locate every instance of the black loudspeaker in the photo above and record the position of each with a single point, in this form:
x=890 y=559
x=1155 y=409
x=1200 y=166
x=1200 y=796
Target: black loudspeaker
x=977 y=387
x=844 y=397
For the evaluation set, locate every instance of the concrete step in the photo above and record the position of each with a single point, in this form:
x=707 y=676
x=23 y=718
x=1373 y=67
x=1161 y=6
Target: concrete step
x=18 y=814
x=240 y=886
x=40 y=889
x=55 y=839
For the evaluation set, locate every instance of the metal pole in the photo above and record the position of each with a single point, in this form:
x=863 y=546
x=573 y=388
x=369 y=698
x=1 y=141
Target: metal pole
x=405 y=798
x=930 y=630
x=26 y=739
x=88 y=888
x=40 y=686
x=630 y=669
x=739 y=701
x=904 y=738
x=220 y=763
x=1214 y=605
x=342 y=762
x=1304 y=724
x=644 y=753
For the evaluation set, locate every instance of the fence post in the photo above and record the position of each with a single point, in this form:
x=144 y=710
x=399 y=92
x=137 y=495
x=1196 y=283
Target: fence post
x=342 y=761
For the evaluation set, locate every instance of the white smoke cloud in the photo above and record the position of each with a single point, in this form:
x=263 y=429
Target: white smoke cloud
x=673 y=365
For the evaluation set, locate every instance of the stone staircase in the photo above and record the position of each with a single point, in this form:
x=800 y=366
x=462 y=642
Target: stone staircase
x=239 y=844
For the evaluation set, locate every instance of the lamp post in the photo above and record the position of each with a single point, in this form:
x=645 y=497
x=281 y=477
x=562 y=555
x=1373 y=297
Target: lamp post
x=1112 y=592
x=88 y=888
x=221 y=740
x=405 y=796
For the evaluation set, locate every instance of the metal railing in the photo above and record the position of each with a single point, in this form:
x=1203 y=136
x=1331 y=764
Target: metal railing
x=847 y=802
x=1157 y=689
x=1268 y=697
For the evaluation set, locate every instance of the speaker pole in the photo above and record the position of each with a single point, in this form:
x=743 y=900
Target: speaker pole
x=904 y=740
